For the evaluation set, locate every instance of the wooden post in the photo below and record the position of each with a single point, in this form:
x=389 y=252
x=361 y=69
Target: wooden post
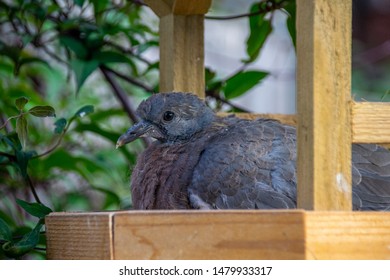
x=324 y=113
x=181 y=44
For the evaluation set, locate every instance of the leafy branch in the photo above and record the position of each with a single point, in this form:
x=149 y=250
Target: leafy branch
x=263 y=8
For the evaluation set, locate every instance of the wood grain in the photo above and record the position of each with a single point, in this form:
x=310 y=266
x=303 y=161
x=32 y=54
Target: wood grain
x=348 y=235
x=182 y=54
x=209 y=235
x=324 y=115
x=181 y=44
x=232 y=234
x=179 y=7
x=371 y=122
x=79 y=236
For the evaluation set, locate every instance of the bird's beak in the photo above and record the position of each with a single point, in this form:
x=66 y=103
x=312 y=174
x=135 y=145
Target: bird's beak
x=140 y=129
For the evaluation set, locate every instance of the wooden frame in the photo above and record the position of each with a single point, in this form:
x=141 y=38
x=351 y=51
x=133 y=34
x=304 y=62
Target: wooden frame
x=328 y=122
x=295 y=234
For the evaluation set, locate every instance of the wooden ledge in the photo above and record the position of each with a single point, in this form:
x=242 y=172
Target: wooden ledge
x=233 y=234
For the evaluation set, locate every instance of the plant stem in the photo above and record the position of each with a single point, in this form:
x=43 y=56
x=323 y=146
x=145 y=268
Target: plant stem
x=31 y=185
x=122 y=97
x=271 y=6
x=128 y=79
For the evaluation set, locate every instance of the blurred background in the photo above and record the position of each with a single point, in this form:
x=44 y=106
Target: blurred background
x=73 y=71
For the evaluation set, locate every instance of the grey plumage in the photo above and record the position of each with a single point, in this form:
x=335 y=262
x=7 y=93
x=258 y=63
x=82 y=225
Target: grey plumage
x=203 y=161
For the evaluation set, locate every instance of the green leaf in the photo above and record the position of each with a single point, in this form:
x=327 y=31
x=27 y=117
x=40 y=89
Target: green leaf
x=212 y=82
x=209 y=75
x=145 y=46
x=79 y=3
x=21 y=130
x=42 y=111
x=28 y=60
x=35 y=209
x=13 y=141
x=387 y=92
x=99 y=6
x=260 y=28
x=291 y=19
x=60 y=125
x=5 y=231
x=242 y=82
x=9 y=51
x=111 y=57
x=83 y=111
x=74 y=45
x=21 y=102
x=111 y=198
x=83 y=69
x=109 y=135
x=22 y=159
x=23 y=246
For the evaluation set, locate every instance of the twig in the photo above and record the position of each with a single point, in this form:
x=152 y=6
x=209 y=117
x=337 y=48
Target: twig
x=53 y=55
x=127 y=51
x=271 y=6
x=40 y=249
x=9 y=156
x=121 y=96
x=31 y=185
x=8 y=120
x=53 y=147
x=129 y=79
x=213 y=94
x=139 y=2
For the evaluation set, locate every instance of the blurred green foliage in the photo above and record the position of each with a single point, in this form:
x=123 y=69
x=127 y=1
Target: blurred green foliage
x=70 y=74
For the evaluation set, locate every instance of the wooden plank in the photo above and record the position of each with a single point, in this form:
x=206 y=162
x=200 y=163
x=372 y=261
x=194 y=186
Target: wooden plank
x=179 y=7
x=181 y=44
x=79 y=236
x=371 y=122
x=231 y=234
x=182 y=54
x=209 y=235
x=286 y=119
x=348 y=235
x=323 y=89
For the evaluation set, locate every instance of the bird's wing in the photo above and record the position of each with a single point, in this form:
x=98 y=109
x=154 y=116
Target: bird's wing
x=251 y=164
x=371 y=177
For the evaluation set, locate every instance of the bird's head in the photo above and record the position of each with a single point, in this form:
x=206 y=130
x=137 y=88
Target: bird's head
x=169 y=117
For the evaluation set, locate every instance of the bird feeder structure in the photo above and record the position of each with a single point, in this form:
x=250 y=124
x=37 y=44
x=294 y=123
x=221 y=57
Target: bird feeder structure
x=328 y=122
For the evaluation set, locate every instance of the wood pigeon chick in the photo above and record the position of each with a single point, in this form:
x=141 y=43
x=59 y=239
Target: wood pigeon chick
x=203 y=161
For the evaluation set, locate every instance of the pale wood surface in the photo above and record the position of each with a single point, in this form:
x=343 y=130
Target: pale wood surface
x=371 y=122
x=348 y=235
x=209 y=235
x=182 y=54
x=179 y=7
x=323 y=89
x=181 y=44
x=233 y=234
x=79 y=236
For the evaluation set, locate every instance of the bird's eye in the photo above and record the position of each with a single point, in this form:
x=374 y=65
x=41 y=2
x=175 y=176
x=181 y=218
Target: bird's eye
x=168 y=116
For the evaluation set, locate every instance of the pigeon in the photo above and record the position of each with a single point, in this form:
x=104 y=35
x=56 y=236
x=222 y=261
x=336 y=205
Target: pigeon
x=203 y=161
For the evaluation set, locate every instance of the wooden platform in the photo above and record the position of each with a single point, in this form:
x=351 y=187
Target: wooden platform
x=231 y=234
x=328 y=122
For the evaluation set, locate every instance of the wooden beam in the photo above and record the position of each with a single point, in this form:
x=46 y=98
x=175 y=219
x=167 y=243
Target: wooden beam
x=79 y=236
x=181 y=44
x=230 y=234
x=209 y=235
x=371 y=122
x=324 y=115
x=347 y=235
